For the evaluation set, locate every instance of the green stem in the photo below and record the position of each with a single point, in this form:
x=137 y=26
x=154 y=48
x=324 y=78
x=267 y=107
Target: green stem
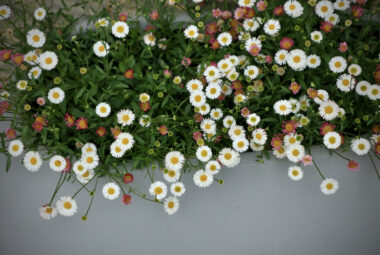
x=374 y=166
x=337 y=153
x=56 y=188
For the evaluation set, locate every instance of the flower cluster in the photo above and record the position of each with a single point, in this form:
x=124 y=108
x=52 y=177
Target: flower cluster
x=269 y=77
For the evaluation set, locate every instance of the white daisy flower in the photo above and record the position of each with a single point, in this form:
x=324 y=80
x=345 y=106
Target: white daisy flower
x=297 y=59
x=194 y=85
x=229 y=158
x=35 y=73
x=90 y=160
x=253 y=41
x=272 y=27
x=282 y=107
x=290 y=139
x=225 y=65
x=324 y=8
x=295 y=105
x=216 y=114
x=253 y=119
x=101 y=48
x=212 y=167
x=86 y=176
x=328 y=110
x=211 y=73
x=250 y=25
x=31 y=58
x=246 y=3
x=202 y=179
x=295 y=152
x=239 y=98
x=204 y=109
x=259 y=136
x=254 y=146
x=329 y=186
x=224 y=39
x=117 y=149
x=66 y=206
x=174 y=160
x=360 y=146
x=126 y=140
x=197 y=98
x=236 y=131
x=78 y=168
x=316 y=36
x=47 y=212
x=204 y=153
x=103 y=110
x=48 y=60
x=171 y=205
x=111 y=191
x=35 y=38
x=240 y=144
x=177 y=189
x=120 y=29
x=88 y=148
x=103 y=22
x=333 y=18
x=322 y=96
x=213 y=91
x=228 y=121
x=22 y=84
x=234 y=60
x=150 y=39
x=144 y=121
x=375 y=138
x=15 y=148
x=158 y=189
x=191 y=32
x=281 y=57
x=226 y=89
x=354 y=69
x=345 y=82
x=293 y=8
x=295 y=173
x=57 y=163
x=313 y=61
x=251 y=71
x=5 y=12
x=171 y=175
x=56 y=95
x=32 y=161
x=374 y=92
x=39 y=14
x=280 y=153
x=341 y=5
x=232 y=75
x=332 y=140
x=125 y=117
x=337 y=64
x=208 y=126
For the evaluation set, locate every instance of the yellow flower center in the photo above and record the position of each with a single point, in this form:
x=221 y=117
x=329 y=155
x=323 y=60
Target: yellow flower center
x=48 y=61
x=228 y=156
x=295 y=153
x=33 y=161
x=329 y=186
x=67 y=205
x=36 y=38
x=332 y=140
x=120 y=29
x=101 y=48
x=89 y=160
x=125 y=117
x=198 y=98
x=271 y=26
x=296 y=59
x=55 y=95
x=57 y=163
x=158 y=190
x=295 y=173
x=292 y=7
x=204 y=153
x=361 y=146
x=111 y=191
x=174 y=160
x=15 y=147
x=203 y=178
x=171 y=205
x=171 y=173
x=329 y=109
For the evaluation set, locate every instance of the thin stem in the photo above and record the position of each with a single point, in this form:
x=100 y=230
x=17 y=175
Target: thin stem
x=83 y=186
x=337 y=153
x=374 y=166
x=92 y=198
x=319 y=171
x=56 y=188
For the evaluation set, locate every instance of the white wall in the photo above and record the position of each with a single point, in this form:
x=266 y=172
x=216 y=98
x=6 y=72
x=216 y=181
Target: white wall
x=258 y=210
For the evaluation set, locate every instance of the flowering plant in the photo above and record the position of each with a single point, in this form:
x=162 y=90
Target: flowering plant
x=112 y=98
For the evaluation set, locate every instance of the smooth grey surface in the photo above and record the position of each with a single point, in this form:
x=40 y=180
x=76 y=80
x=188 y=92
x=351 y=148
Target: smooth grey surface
x=258 y=210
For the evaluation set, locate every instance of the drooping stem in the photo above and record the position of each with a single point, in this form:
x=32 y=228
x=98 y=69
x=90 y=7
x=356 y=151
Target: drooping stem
x=374 y=165
x=56 y=188
x=340 y=155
